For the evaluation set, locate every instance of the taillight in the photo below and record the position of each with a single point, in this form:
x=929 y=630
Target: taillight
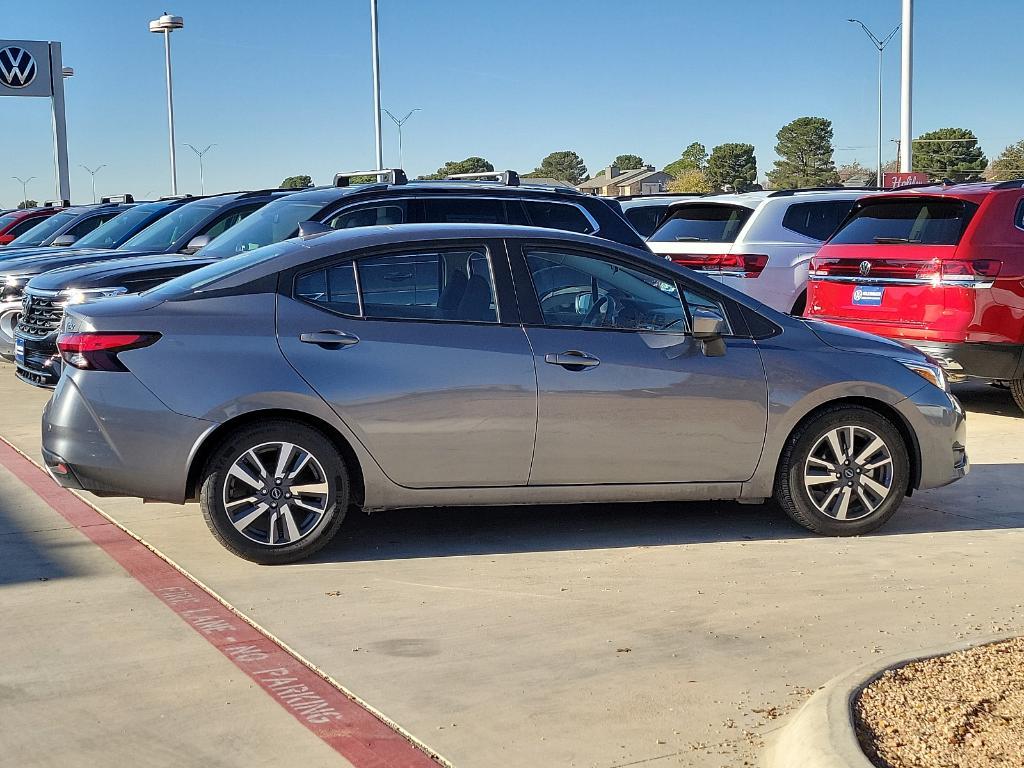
x=98 y=351
x=955 y=271
x=909 y=271
x=735 y=264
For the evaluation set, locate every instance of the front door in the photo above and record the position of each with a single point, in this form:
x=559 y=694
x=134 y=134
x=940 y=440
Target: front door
x=626 y=395
x=423 y=361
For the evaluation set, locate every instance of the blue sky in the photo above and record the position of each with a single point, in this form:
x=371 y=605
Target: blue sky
x=285 y=87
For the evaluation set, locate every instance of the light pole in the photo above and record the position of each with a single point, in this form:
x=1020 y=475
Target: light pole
x=906 y=87
x=400 y=123
x=376 y=84
x=93 y=172
x=880 y=45
x=199 y=154
x=24 y=188
x=165 y=25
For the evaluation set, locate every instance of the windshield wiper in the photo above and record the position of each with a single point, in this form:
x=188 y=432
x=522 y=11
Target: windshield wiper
x=883 y=240
x=686 y=239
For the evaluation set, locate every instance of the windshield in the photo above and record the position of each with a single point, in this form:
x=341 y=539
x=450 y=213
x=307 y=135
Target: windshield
x=40 y=233
x=170 y=228
x=703 y=224
x=271 y=224
x=200 y=278
x=907 y=222
x=121 y=227
x=7 y=220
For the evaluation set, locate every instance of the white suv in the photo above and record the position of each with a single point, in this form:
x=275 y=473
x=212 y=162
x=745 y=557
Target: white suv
x=760 y=243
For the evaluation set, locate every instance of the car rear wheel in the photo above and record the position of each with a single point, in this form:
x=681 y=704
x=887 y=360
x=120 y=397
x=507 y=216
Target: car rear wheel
x=1017 y=388
x=274 y=493
x=843 y=472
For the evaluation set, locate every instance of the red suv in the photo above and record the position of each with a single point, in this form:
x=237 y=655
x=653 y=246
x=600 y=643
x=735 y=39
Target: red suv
x=14 y=223
x=939 y=267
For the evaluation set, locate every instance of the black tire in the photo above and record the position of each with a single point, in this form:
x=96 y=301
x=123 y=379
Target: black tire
x=323 y=526
x=792 y=494
x=800 y=305
x=1017 y=388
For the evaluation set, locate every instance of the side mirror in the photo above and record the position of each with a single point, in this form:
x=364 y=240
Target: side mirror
x=307 y=228
x=197 y=242
x=708 y=327
x=63 y=241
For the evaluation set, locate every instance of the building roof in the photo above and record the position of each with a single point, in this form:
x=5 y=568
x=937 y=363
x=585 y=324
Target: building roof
x=624 y=178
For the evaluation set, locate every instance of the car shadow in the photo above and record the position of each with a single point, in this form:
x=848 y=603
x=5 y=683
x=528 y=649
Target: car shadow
x=984 y=398
x=24 y=556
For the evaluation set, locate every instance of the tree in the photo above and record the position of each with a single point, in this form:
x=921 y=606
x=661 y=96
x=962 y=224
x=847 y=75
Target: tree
x=297 y=182
x=694 y=158
x=857 y=172
x=628 y=162
x=28 y=204
x=949 y=153
x=565 y=166
x=691 y=180
x=805 y=155
x=469 y=165
x=1009 y=165
x=732 y=165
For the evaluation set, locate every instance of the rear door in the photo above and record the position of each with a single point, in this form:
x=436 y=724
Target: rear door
x=626 y=394
x=420 y=351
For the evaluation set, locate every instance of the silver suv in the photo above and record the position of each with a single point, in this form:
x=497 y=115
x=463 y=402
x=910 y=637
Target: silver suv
x=432 y=365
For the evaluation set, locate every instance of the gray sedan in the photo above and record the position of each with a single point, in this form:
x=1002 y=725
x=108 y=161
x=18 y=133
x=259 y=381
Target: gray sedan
x=437 y=365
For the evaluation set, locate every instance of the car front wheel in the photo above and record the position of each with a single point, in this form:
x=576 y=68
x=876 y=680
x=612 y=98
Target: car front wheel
x=274 y=493
x=1017 y=388
x=843 y=472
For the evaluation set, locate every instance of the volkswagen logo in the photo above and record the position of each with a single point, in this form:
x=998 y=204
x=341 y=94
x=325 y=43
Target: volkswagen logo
x=17 y=67
x=865 y=268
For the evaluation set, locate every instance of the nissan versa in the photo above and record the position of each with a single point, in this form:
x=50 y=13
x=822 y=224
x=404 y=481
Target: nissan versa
x=462 y=364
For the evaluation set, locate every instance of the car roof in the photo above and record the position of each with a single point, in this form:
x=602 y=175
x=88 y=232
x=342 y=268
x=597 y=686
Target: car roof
x=647 y=200
x=975 y=191
x=756 y=198
x=327 y=195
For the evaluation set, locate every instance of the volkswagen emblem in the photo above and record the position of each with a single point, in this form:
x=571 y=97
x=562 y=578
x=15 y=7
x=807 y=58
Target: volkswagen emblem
x=865 y=268
x=17 y=67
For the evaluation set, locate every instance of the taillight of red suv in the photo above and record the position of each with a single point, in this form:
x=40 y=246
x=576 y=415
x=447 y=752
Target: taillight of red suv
x=727 y=264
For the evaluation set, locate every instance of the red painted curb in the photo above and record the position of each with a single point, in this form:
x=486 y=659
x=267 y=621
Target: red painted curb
x=342 y=723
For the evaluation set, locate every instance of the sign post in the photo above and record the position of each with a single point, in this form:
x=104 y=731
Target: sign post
x=34 y=68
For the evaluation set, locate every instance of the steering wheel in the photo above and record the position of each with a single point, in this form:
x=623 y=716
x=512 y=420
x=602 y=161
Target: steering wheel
x=607 y=303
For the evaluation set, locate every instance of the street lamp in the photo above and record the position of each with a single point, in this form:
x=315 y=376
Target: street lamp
x=199 y=154
x=24 y=187
x=880 y=45
x=165 y=25
x=93 y=172
x=375 y=54
x=400 y=123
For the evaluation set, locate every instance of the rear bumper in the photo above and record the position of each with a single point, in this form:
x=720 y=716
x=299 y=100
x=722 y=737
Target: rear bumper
x=976 y=360
x=106 y=433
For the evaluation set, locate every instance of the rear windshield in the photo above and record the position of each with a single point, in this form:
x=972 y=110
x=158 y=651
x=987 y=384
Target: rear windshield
x=928 y=221
x=44 y=231
x=645 y=218
x=703 y=224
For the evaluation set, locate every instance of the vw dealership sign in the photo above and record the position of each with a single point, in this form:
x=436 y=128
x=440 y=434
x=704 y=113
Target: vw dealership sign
x=34 y=68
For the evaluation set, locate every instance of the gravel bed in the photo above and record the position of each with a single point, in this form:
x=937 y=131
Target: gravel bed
x=964 y=710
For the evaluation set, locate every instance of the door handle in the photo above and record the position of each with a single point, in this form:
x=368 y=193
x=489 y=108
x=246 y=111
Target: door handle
x=572 y=360
x=329 y=339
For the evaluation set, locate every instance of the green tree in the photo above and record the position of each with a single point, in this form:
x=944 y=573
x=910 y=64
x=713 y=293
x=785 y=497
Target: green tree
x=28 y=204
x=565 y=166
x=805 y=155
x=949 y=153
x=1009 y=165
x=469 y=165
x=690 y=180
x=297 y=182
x=694 y=158
x=628 y=162
x=732 y=165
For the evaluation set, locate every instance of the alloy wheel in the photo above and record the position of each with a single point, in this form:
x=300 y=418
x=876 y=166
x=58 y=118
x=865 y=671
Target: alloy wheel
x=848 y=473
x=276 y=493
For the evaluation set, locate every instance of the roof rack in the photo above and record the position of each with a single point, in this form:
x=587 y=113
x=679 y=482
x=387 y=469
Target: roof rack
x=1011 y=184
x=120 y=198
x=385 y=175
x=507 y=178
x=259 y=192
x=788 y=192
x=175 y=197
x=56 y=203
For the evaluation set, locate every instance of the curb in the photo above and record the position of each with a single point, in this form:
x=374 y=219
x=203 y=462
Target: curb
x=821 y=734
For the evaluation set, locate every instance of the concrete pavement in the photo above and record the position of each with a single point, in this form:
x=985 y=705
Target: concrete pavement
x=616 y=635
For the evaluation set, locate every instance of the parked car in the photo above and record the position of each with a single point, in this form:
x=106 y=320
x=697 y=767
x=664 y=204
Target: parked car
x=938 y=267
x=487 y=198
x=19 y=265
x=433 y=365
x=760 y=243
x=158 y=252
x=17 y=222
x=645 y=212
x=66 y=226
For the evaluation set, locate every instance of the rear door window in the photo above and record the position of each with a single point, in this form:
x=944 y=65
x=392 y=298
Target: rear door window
x=376 y=214
x=927 y=221
x=703 y=224
x=551 y=215
x=86 y=226
x=463 y=210
x=817 y=220
x=645 y=218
